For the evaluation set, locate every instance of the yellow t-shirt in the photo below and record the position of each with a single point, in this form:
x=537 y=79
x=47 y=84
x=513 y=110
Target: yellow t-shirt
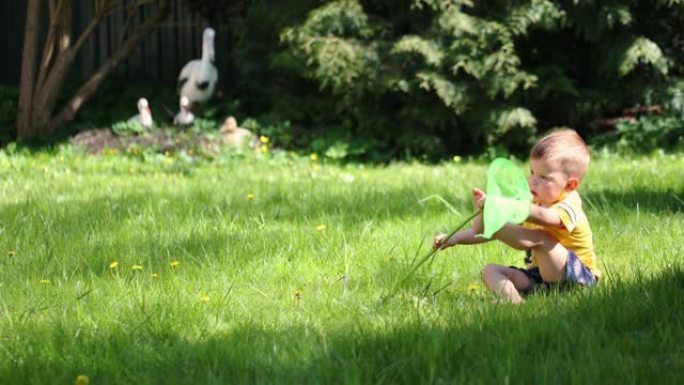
x=575 y=233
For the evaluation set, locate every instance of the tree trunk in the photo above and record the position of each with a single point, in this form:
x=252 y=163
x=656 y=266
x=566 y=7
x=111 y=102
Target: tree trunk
x=37 y=99
x=28 y=70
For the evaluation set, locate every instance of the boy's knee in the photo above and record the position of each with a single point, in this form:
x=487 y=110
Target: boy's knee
x=489 y=270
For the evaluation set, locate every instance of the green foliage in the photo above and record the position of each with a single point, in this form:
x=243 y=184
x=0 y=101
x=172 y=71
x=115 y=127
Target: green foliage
x=651 y=133
x=334 y=42
x=642 y=51
x=480 y=74
x=380 y=80
x=128 y=127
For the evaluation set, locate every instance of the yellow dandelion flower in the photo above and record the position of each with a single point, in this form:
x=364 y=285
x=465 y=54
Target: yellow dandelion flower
x=298 y=293
x=174 y=263
x=44 y=281
x=154 y=275
x=114 y=265
x=82 y=379
x=320 y=227
x=473 y=287
x=264 y=139
x=457 y=158
x=263 y=148
x=204 y=298
x=313 y=157
x=250 y=197
x=136 y=267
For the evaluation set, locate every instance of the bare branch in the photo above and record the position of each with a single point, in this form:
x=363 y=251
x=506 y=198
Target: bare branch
x=45 y=97
x=90 y=86
x=65 y=26
x=50 y=40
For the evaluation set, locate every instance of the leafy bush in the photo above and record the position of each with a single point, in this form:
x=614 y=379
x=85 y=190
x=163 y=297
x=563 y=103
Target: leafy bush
x=650 y=133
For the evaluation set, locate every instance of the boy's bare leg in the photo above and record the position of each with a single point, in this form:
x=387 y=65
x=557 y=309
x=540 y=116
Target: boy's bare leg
x=551 y=256
x=506 y=282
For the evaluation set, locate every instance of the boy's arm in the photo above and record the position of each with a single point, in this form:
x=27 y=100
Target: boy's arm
x=544 y=216
x=468 y=237
x=465 y=237
x=519 y=237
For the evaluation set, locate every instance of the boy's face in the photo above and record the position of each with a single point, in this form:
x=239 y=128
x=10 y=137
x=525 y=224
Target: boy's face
x=547 y=182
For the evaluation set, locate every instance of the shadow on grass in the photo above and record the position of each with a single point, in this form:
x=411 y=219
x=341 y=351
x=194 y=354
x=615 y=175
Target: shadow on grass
x=621 y=333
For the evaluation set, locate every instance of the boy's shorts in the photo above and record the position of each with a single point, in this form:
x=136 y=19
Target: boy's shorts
x=576 y=273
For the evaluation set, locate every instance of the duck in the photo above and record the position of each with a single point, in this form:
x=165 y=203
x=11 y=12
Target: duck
x=198 y=78
x=144 y=116
x=185 y=117
x=238 y=137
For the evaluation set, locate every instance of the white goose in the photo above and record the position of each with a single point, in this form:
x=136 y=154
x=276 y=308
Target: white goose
x=198 y=78
x=185 y=117
x=144 y=116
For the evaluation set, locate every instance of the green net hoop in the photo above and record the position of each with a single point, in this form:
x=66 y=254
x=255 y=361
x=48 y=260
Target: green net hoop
x=508 y=196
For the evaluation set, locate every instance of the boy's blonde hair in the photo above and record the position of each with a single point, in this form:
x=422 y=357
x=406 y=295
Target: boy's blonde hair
x=565 y=146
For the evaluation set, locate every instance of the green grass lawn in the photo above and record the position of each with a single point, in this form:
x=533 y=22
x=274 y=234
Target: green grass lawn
x=169 y=270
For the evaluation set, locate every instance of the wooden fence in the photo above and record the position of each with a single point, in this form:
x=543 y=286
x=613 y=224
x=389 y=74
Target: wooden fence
x=159 y=58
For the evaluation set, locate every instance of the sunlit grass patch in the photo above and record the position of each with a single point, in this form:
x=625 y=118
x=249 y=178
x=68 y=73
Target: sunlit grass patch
x=244 y=270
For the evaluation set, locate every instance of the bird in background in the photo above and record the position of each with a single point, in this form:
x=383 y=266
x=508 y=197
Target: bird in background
x=184 y=117
x=238 y=137
x=198 y=78
x=144 y=116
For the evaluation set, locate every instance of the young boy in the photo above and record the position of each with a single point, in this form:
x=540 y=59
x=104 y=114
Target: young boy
x=556 y=232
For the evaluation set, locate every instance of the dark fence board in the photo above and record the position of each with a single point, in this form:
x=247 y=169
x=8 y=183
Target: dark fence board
x=160 y=57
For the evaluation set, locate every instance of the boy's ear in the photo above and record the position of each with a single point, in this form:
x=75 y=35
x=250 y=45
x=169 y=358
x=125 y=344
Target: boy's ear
x=573 y=184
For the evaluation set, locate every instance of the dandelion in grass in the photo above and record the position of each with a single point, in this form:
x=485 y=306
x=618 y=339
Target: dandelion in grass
x=264 y=139
x=174 y=264
x=44 y=282
x=263 y=148
x=298 y=294
x=313 y=157
x=82 y=379
x=113 y=265
x=154 y=275
x=136 y=267
x=472 y=287
x=204 y=298
x=250 y=197
x=320 y=227
x=456 y=158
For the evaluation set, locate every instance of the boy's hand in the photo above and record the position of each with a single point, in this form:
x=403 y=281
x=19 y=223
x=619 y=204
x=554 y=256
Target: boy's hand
x=479 y=198
x=440 y=242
